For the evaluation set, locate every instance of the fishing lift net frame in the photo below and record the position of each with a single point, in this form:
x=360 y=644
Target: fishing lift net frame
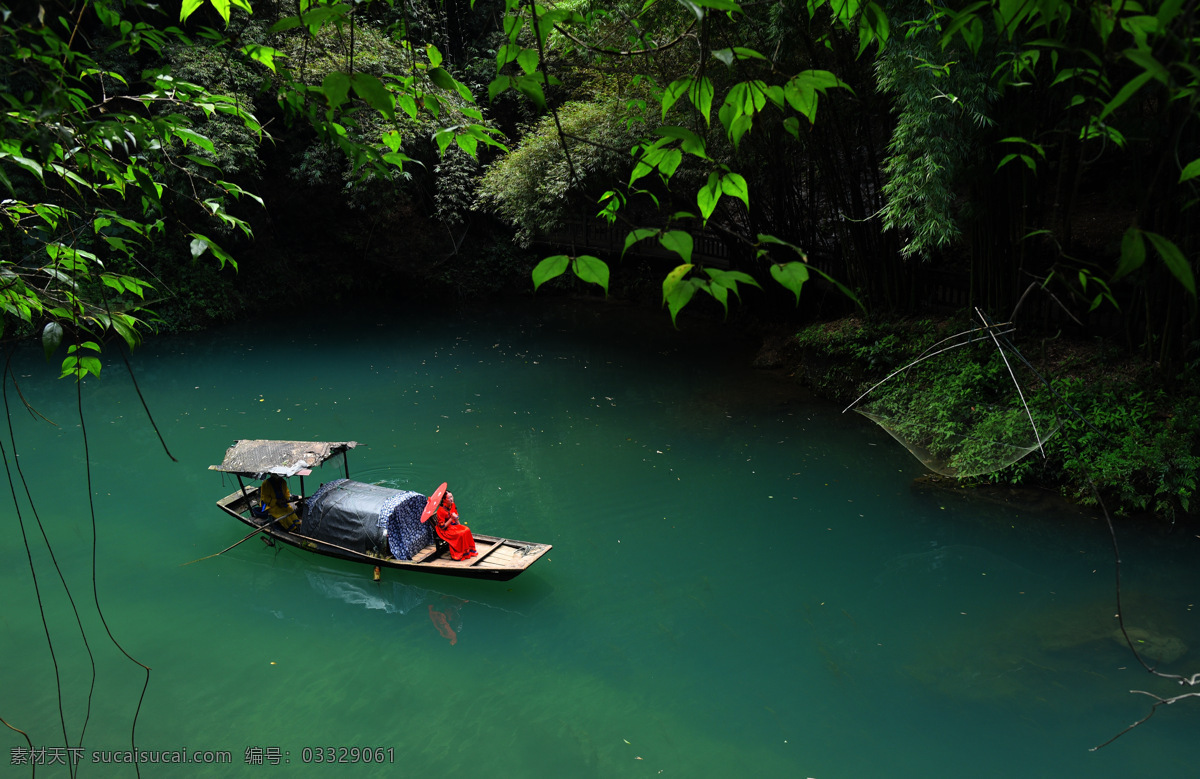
x=967 y=451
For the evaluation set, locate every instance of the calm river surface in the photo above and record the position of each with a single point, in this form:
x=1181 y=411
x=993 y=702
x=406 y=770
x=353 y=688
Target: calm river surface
x=743 y=582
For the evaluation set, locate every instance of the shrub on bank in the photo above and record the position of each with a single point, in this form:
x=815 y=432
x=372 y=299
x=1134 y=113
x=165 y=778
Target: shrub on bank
x=1119 y=425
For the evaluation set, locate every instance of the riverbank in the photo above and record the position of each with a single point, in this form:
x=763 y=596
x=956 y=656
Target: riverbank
x=1111 y=428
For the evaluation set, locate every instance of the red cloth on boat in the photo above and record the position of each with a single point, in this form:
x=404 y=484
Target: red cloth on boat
x=458 y=536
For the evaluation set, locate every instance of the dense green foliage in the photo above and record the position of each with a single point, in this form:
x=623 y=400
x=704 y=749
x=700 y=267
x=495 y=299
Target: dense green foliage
x=101 y=162
x=871 y=136
x=942 y=111
x=532 y=186
x=1018 y=143
x=131 y=141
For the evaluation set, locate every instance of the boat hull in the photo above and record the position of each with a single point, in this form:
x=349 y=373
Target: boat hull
x=499 y=559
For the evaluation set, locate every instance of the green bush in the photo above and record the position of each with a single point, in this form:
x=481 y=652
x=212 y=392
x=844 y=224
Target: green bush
x=1138 y=445
x=1139 y=449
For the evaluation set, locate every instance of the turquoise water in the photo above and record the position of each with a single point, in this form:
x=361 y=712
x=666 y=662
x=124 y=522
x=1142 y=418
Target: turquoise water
x=743 y=580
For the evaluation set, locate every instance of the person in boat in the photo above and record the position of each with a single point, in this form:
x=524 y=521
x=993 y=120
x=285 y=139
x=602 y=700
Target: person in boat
x=454 y=533
x=278 y=501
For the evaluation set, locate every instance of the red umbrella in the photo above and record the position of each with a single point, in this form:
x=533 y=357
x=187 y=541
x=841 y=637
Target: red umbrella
x=434 y=500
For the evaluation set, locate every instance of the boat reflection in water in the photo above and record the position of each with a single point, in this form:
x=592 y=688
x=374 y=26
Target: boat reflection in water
x=445 y=611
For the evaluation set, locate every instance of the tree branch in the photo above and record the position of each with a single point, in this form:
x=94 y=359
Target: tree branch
x=618 y=53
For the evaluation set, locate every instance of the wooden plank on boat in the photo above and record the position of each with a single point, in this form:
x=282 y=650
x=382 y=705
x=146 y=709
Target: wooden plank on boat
x=425 y=554
x=233 y=500
x=477 y=558
x=501 y=558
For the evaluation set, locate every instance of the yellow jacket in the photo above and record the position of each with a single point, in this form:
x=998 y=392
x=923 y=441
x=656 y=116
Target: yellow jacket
x=277 y=502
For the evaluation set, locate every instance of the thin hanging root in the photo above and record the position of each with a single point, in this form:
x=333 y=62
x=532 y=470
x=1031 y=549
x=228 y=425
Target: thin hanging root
x=926 y=355
x=5 y=377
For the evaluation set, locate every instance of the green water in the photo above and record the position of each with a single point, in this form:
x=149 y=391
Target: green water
x=743 y=580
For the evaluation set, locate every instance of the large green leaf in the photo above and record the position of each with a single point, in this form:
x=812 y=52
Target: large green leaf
x=1125 y=93
x=689 y=141
x=674 y=278
x=201 y=243
x=730 y=279
x=506 y=54
x=434 y=54
x=679 y=296
x=802 y=90
x=701 y=94
x=1133 y=253
x=442 y=78
x=1179 y=266
x=709 y=195
x=592 y=270
x=694 y=8
x=262 y=54
x=286 y=23
x=531 y=87
x=721 y=293
x=336 y=88
x=719 y=5
x=52 y=335
x=637 y=235
x=734 y=184
x=792 y=276
x=187 y=135
x=722 y=282
x=371 y=89
x=669 y=162
x=673 y=92
x=467 y=142
x=549 y=268
x=528 y=60
x=739 y=127
x=1191 y=171
x=499 y=85
x=679 y=242
x=764 y=238
x=188 y=8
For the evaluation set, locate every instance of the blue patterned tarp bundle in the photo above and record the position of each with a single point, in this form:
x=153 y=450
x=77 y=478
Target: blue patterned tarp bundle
x=401 y=515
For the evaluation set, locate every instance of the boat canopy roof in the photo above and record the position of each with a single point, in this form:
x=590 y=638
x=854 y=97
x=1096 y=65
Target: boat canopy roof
x=258 y=458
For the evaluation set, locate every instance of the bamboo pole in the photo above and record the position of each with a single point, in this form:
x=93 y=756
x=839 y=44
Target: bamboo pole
x=264 y=526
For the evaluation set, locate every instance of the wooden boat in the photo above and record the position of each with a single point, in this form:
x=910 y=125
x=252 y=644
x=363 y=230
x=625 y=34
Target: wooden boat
x=498 y=558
